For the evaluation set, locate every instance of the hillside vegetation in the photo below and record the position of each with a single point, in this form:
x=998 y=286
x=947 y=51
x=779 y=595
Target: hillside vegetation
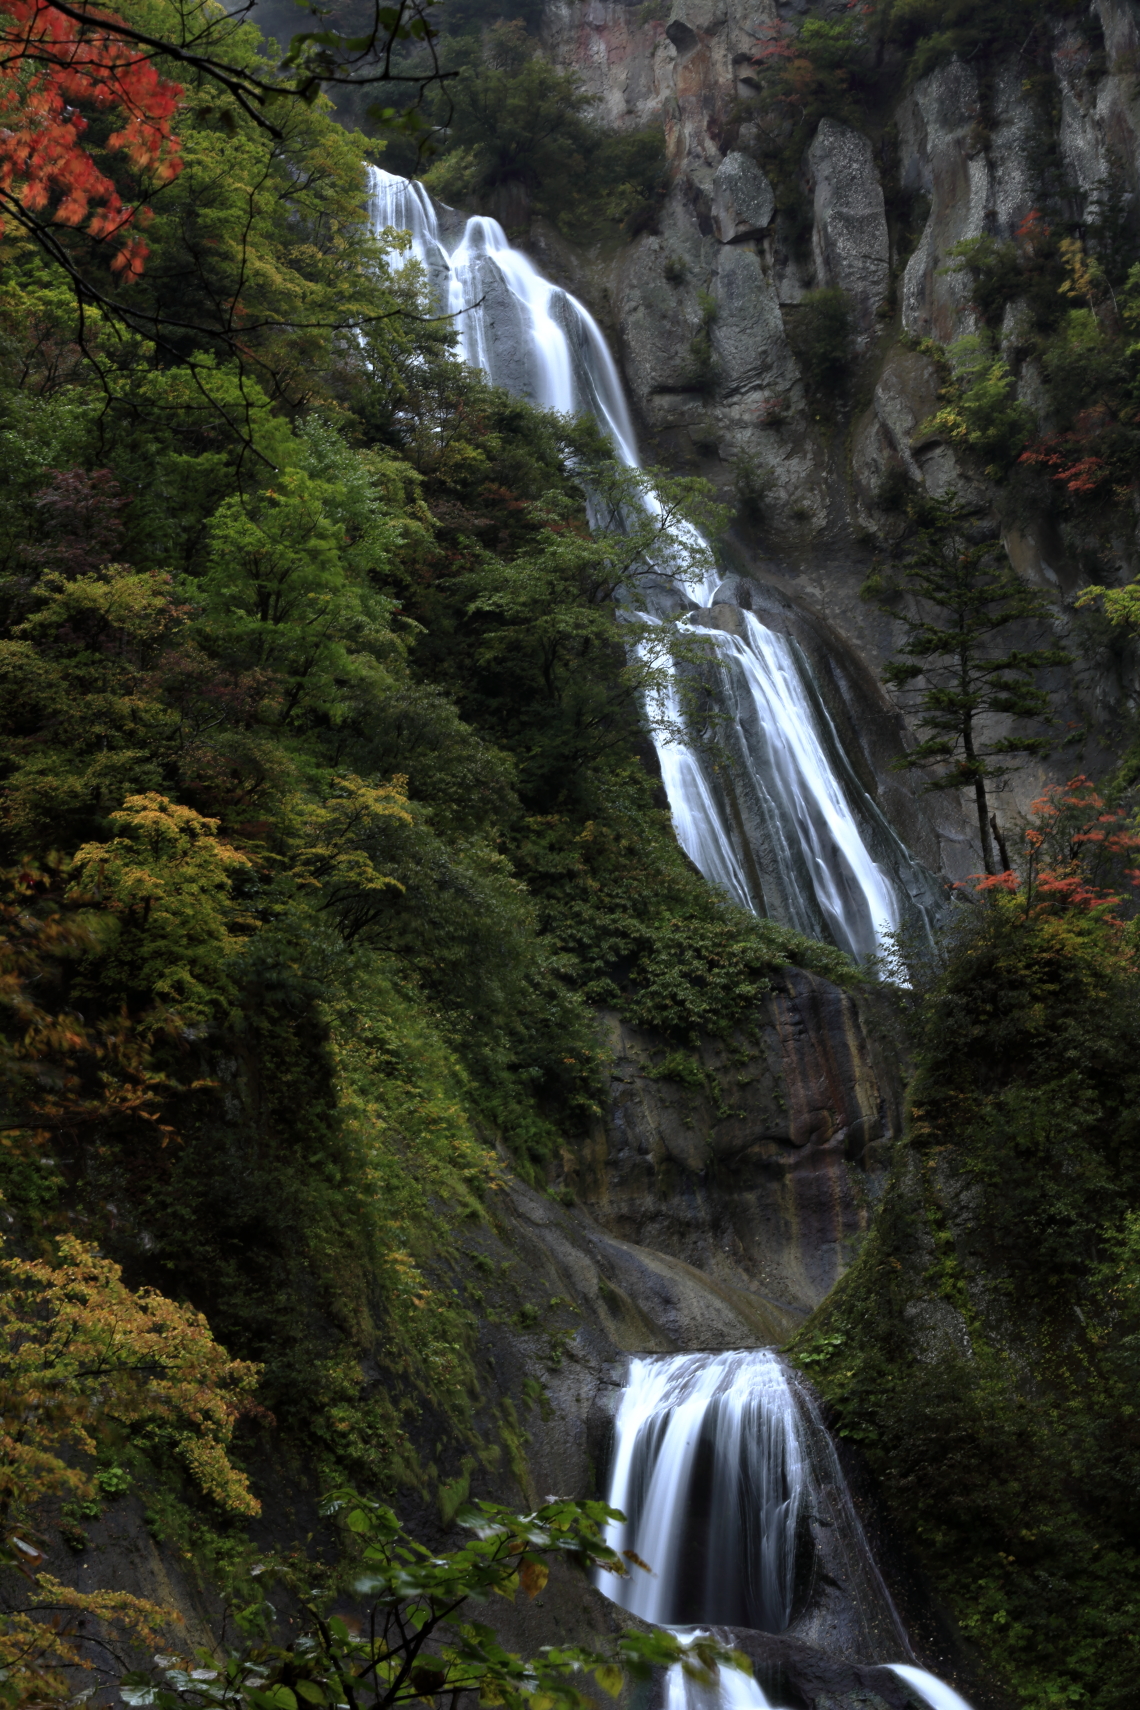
x=325 y=810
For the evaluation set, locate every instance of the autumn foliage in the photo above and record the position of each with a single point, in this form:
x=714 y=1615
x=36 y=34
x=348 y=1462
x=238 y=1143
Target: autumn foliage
x=81 y=1356
x=54 y=64
x=1078 y=853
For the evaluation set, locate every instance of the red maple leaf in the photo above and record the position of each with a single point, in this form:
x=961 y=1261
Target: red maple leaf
x=51 y=65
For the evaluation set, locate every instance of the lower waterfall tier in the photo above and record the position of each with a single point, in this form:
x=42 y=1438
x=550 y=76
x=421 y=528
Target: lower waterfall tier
x=737 y=1518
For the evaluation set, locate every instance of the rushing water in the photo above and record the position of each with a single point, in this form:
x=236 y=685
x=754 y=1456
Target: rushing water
x=717 y=1461
x=707 y=1470
x=799 y=839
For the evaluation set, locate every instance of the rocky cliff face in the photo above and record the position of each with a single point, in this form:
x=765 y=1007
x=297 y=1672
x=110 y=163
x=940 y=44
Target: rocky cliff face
x=756 y=1160
x=960 y=155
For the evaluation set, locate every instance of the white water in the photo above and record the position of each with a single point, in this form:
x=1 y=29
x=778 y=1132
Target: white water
x=936 y=1692
x=712 y=1472
x=815 y=871
x=708 y=1470
x=729 y=1689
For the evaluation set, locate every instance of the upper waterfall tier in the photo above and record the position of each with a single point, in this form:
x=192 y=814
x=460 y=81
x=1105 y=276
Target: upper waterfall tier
x=786 y=828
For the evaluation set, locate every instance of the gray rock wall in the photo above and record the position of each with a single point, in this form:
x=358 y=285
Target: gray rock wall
x=971 y=146
x=757 y=1161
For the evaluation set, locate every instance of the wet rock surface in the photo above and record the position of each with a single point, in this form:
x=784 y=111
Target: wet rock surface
x=757 y=1161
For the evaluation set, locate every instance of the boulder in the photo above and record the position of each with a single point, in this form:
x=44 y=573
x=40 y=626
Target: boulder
x=849 y=239
x=743 y=201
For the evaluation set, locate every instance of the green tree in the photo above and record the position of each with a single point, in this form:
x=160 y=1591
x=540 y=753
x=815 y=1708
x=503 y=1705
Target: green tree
x=982 y=411
x=418 y=1644
x=519 y=125
x=954 y=596
x=822 y=335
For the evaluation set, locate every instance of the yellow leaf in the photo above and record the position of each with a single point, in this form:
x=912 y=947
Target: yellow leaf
x=610 y=1678
x=533 y=1576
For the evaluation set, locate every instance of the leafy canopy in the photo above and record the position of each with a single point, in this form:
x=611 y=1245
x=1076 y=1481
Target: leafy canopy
x=418 y=1643
x=82 y=1358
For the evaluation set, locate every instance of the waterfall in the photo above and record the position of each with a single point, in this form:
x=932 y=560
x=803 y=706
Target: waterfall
x=797 y=837
x=712 y=1438
x=718 y=1461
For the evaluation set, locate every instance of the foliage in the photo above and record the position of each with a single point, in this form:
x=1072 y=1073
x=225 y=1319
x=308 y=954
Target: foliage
x=965 y=593
x=645 y=934
x=1094 y=381
x=84 y=1360
x=168 y=881
x=259 y=253
x=1030 y=268
x=821 y=333
x=983 y=412
x=519 y=126
x=1074 y=300
x=817 y=69
x=414 y=1597
x=80 y=1352
x=982 y=1350
x=932 y=34
x=52 y=66
x=1076 y=847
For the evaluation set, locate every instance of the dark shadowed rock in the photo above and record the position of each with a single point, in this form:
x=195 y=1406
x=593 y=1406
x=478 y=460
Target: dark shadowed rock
x=760 y=1166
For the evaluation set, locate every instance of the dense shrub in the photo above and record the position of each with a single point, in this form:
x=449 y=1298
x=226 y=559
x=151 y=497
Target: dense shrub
x=982 y=1352
x=822 y=332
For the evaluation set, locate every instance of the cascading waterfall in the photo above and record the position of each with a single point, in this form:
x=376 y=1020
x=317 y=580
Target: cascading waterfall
x=818 y=853
x=713 y=1438
x=716 y=1456
x=714 y=1472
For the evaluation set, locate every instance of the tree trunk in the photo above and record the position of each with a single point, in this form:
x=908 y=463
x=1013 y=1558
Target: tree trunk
x=1003 y=852
x=984 y=825
x=979 y=784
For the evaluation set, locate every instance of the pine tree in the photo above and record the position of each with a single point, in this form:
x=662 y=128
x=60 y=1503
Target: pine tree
x=954 y=596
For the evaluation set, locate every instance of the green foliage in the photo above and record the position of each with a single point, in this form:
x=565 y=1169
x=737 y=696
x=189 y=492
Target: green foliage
x=419 y=1644
x=702 y=372
x=982 y=1351
x=520 y=136
x=821 y=332
x=820 y=68
x=169 y=881
x=753 y=483
x=983 y=413
x=932 y=33
x=1092 y=367
x=964 y=594
x=642 y=931
x=1087 y=355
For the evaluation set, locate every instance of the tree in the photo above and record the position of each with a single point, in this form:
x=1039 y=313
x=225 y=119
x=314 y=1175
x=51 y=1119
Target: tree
x=53 y=62
x=963 y=595
x=82 y=1355
x=415 y=1599
x=66 y=1075
x=520 y=133
x=87 y=141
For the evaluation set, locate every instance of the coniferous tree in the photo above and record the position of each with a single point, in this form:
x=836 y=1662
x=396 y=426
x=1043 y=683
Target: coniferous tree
x=955 y=596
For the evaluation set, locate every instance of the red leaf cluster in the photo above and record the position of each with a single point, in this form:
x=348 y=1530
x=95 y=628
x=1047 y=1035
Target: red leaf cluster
x=1082 y=841
x=51 y=64
x=1061 y=457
